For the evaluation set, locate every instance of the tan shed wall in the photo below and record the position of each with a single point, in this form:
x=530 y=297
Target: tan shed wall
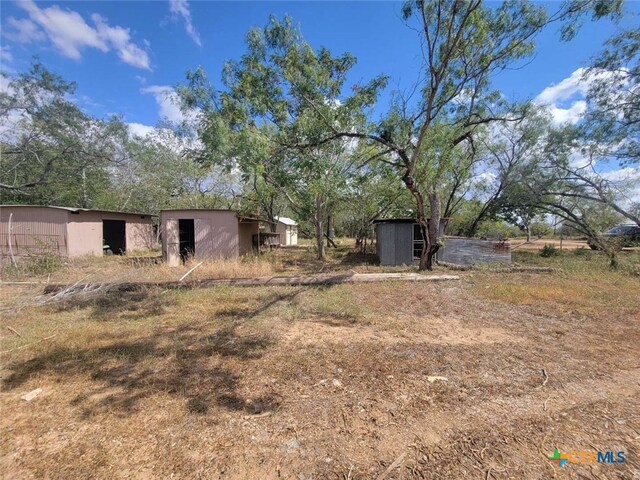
x=85 y=232
x=246 y=231
x=34 y=230
x=37 y=230
x=282 y=230
x=288 y=234
x=216 y=233
x=170 y=242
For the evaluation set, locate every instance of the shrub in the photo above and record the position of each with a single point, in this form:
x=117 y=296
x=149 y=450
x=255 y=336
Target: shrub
x=42 y=264
x=549 y=251
x=497 y=229
x=581 y=251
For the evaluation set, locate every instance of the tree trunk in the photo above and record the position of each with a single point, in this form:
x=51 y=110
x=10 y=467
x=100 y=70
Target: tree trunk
x=84 y=188
x=319 y=224
x=434 y=229
x=526 y=225
x=421 y=217
x=320 y=240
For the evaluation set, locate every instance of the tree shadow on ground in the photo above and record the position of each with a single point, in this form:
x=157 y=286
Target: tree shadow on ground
x=248 y=312
x=129 y=305
x=192 y=362
x=355 y=258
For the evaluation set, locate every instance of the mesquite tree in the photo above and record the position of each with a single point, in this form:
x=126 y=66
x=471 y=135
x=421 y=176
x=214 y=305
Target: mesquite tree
x=52 y=152
x=273 y=116
x=463 y=44
x=612 y=120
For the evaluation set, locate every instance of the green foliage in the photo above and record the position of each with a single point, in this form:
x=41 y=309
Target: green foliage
x=549 y=250
x=573 y=12
x=281 y=102
x=582 y=252
x=54 y=153
x=540 y=229
x=612 y=125
x=35 y=264
x=497 y=229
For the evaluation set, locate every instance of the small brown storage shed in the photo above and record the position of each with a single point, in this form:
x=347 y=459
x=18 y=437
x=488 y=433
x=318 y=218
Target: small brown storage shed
x=71 y=232
x=207 y=234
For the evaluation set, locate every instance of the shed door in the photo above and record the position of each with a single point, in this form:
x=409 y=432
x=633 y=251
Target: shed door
x=172 y=252
x=204 y=238
x=114 y=235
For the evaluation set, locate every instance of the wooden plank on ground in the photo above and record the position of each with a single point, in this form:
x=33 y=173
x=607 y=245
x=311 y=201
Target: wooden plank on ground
x=255 y=281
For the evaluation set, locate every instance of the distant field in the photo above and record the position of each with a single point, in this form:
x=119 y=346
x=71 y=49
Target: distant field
x=567 y=244
x=479 y=378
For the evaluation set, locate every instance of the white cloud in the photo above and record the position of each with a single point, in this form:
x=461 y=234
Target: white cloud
x=180 y=8
x=566 y=98
x=571 y=115
x=69 y=33
x=167 y=101
x=23 y=30
x=140 y=129
x=625 y=174
x=168 y=109
x=565 y=89
x=627 y=180
x=66 y=29
x=556 y=96
x=120 y=39
x=5 y=54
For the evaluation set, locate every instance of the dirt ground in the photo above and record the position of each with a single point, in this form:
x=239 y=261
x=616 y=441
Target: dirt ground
x=478 y=378
x=536 y=244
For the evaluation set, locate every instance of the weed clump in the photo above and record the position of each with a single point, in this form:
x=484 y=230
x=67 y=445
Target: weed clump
x=549 y=251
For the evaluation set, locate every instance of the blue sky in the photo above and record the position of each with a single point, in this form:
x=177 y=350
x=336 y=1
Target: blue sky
x=126 y=55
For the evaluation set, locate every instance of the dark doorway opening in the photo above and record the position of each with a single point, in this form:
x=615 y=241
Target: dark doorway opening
x=114 y=237
x=187 y=238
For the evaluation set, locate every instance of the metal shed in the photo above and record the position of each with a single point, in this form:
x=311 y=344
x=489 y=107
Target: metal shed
x=288 y=230
x=71 y=232
x=207 y=234
x=399 y=242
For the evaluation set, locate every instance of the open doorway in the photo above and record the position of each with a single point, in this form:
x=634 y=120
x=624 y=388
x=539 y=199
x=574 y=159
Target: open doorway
x=187 y=238
x=114 y=236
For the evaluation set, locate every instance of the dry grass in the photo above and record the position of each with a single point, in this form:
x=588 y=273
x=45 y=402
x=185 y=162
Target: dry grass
x=328 y=382
x=284 y=261
x=536 y=244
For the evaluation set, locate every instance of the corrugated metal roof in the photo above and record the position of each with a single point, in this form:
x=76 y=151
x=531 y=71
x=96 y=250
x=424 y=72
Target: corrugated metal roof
x=286 y=220
x=244 y=218
x=75 y=210
x=197 y=209
x=404 y=220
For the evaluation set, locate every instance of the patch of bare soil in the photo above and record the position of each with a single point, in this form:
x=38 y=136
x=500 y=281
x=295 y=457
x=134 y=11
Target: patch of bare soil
x=566 y=244
x=388 y=380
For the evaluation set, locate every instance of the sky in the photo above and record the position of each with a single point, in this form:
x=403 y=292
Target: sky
x=126 y=57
